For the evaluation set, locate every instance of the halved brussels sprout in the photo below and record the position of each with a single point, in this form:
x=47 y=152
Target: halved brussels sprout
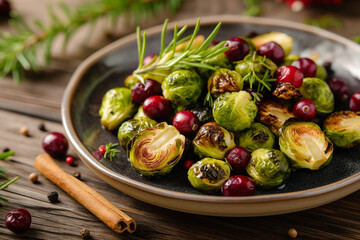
x=234 y=111
x=305 y=145
x=219 y=61
x=274 y=114
x=209 y=174
x=343 y=128
x=154 y=152
x=320 y=93
x=268 y=168
x=130 y=128
x=284 y=40
x=255 y=137
x=116 y=107
x=212 y=140
x=182 y=87
x=259 y=65
x=224 y=80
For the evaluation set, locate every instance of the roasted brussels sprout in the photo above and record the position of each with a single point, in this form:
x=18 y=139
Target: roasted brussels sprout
x=130 y=81
x=321 y=72
x=116 y=107
x=274 y=114
x=285 y=90
x=268 y=168
x=235 y=111
x=219 y=61
x=289 y=59
x=343 y=128
x=154 y=152
x=305 y=145
x=259 y=65
x=213 y=140
x=255 y=137
x=319 y=92
x=130 y=128
x=182 y=87
x=204 y=113
x=284 y=40
x=224 y=80
x=209 y=174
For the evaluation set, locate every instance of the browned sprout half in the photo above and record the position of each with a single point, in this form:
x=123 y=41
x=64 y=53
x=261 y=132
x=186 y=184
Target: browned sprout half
x=286 y=91
x=212 y=140
x=224 y=80
x=155 y=152
x=343 y=128
x=274 y=114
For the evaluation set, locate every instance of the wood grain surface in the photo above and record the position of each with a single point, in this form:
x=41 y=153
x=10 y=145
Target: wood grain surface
x=37 y=100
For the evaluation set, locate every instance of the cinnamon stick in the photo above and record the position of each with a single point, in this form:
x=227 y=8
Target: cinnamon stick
x=85 y=195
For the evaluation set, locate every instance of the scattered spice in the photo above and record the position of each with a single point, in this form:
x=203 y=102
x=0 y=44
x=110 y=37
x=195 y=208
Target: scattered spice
x=42 y=127
x=77 y=175
x=24 y=131
x=85 y=233
x=33 y=177
x=292 y=233
x=53 y=197
x=6 y=149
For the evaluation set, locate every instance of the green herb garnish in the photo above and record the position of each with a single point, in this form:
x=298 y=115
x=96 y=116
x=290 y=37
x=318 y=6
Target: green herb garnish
x=111 y=151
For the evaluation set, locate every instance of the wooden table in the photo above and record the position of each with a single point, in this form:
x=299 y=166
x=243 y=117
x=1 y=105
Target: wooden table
x=37 y=100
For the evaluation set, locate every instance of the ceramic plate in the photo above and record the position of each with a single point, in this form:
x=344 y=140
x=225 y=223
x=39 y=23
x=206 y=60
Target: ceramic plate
x=107 y=69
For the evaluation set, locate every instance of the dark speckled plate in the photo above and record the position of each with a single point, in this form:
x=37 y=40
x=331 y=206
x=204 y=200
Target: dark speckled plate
x=108 y=68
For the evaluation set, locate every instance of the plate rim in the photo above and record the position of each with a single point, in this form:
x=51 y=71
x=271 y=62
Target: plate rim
x=87 y=157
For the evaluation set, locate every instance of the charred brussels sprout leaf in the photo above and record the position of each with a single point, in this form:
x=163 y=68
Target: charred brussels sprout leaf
x=224 y=80
x=255 y=137
x=209 y=174
x=286 y=91
x=154 y=152
x=130 y=128
x=305 y=145
x=116 y=107
x=343 y=128
x=234 y=111
x=219 y=61
x=213 y=140
x=204 y=113
x=268 y=168
x=182 y=87
x=274 y=114
x=319 y=92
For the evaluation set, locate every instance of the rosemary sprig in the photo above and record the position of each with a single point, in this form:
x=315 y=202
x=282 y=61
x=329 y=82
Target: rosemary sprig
x=168 y=58
x=19 y=50
x=111 y=151
x=5 y=155
x=4 y=185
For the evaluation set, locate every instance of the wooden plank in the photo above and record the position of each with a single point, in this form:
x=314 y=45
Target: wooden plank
x=64 y=220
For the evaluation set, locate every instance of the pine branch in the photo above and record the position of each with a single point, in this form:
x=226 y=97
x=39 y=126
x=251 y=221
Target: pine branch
x=167 y=58
x=18 y=51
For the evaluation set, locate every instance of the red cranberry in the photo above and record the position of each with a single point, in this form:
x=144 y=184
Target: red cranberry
x=5 y=8
x=139 y=92
x=238 y=157
x=238 y=185
x=148 y=59
x=304 y=110
x=340 y=89
x=18 y=220
x=157 y=107
x=102 y=149
x=55 y=144
x=289 y=74
x=273 y=51
x=188 y=163
x=70 y=160
x=355 y=102
x=97 y=155
x=306 y=66
x=239 y=48
x=186 y=122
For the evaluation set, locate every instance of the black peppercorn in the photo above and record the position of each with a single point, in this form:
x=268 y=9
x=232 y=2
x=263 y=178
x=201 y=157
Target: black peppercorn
x=42 y=127
x=6 y=149
x=85 y=233
x=53 y=197
x=77 y=175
